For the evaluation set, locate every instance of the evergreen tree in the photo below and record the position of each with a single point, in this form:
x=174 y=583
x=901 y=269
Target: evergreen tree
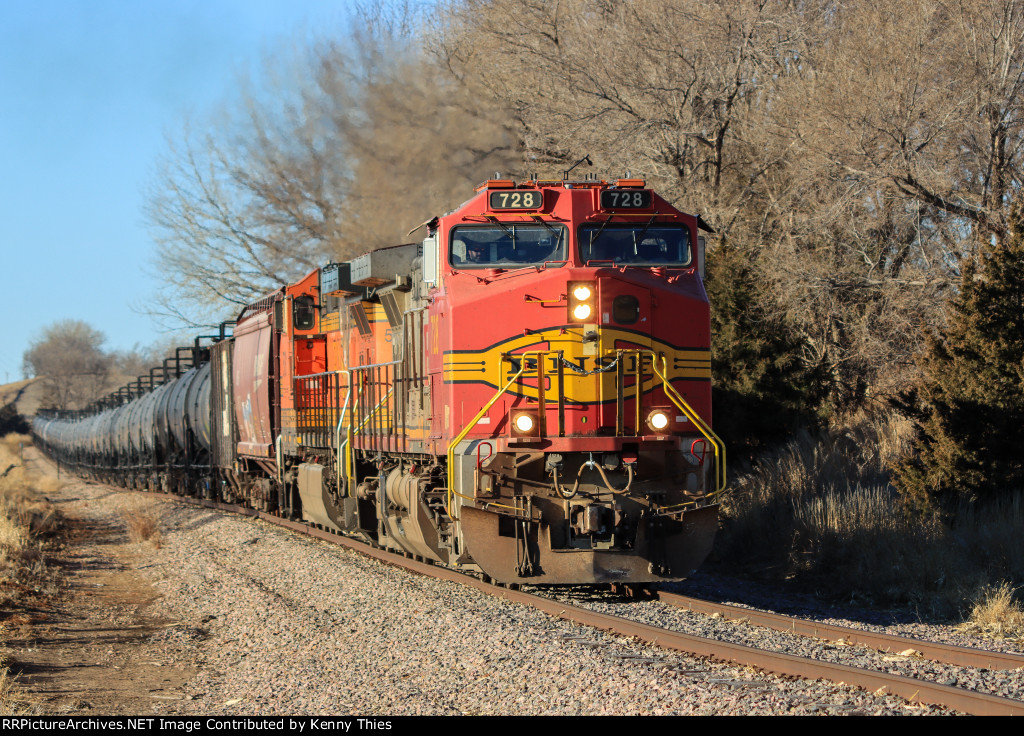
x=762 y=390
x=969 y=404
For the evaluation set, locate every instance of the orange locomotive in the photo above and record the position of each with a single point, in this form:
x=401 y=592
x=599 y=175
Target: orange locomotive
x=526 y=392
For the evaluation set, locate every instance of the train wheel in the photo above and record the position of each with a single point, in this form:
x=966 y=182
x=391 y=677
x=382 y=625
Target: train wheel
x=633 y=591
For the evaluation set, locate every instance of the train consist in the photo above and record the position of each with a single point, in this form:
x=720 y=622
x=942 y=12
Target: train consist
x=526 y=392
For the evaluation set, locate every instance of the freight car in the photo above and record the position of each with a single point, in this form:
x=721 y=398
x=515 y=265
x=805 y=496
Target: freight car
x=526 y=392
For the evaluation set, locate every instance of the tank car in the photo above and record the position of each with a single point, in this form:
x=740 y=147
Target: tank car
x=526 y=392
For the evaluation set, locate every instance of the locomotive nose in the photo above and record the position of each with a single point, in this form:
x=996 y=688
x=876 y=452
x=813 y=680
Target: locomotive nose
x=625 y=304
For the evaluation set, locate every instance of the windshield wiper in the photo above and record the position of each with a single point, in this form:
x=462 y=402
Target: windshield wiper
x=504 y=227
x=556 y=233
x=600 y=230
x=637 y=239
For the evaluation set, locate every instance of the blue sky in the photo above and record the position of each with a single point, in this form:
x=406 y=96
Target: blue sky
x=89 y=92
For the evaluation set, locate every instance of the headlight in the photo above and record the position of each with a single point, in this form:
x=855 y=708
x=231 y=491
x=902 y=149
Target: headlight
x=581 y=312
x=582 y=301
x=524 y=423
x=658 y=420
x=581 y=292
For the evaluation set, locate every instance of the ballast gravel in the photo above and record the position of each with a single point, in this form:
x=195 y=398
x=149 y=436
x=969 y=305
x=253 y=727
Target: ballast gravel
x=1004 y=683
x=279 y=623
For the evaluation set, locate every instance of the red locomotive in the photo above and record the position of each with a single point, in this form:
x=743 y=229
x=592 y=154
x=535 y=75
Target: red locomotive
x=526 y=392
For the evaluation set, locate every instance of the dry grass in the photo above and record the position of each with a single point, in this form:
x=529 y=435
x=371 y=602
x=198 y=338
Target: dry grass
x=26 y=516
x=141 y=517
x=26 y=519
x=13 y=701
x=995 y=612
x=821 y=512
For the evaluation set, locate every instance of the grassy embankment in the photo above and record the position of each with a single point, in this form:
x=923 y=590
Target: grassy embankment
x=820 y=512
x=26 y=519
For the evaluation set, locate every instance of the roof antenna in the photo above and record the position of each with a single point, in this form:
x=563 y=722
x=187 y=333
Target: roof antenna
x=585 y=159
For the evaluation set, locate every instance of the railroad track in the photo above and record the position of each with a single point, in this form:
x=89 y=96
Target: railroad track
x=935 y=651
x=912 y=689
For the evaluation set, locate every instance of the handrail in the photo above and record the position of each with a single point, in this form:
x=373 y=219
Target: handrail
x=373 y=365
x=375 y=409
x=670 y=391
x=465 y=431
x=352 y=430
x=277 y=458
x=348 y=462
x=350 y=457
x=692 y=415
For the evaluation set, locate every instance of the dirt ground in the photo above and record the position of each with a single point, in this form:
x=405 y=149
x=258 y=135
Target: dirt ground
x=87 y=650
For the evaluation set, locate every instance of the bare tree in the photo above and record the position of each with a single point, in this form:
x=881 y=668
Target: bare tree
x=852 y=151
x=235 y=216
x=70 y=360
x=926 y=97
x=418 y=140
x=904 y=135
x=666 y=89
x=128 y=365
x=347 y=148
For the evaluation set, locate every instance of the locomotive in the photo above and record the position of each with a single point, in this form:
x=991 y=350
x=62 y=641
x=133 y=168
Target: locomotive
x=526 y=393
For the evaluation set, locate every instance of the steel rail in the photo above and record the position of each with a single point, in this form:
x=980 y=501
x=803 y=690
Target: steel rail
x=945 y=653
x=912 y=690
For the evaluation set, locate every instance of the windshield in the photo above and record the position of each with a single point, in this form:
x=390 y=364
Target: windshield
x=635 y=245
x=508 y=246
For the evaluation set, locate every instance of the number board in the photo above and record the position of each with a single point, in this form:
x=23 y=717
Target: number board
x=621 y=199
x=516 y=199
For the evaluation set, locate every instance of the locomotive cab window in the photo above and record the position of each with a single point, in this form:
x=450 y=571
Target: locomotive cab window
x=303 y=313
x=637 y=244
x=508 y=246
